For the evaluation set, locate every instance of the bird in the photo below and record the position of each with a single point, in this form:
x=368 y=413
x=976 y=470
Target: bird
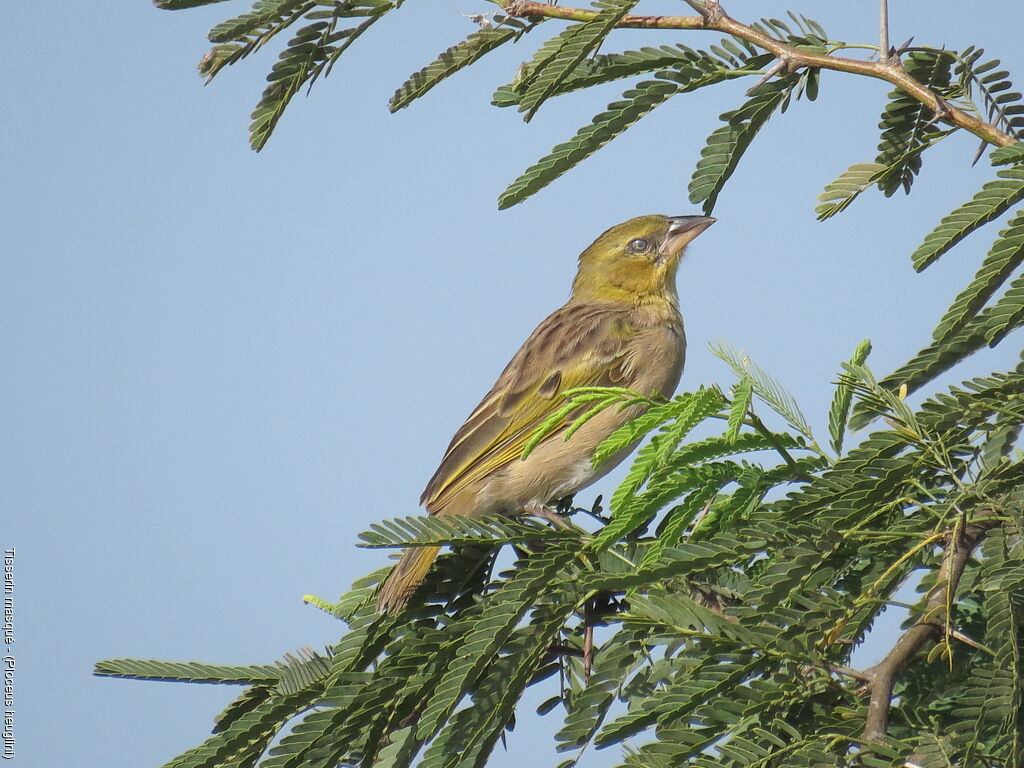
x=620 y=327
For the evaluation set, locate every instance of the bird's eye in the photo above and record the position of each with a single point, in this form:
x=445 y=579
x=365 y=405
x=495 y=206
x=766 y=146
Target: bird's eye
x=638 y=245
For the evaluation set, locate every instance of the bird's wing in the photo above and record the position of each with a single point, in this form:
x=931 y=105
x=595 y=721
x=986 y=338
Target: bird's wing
x=576 y=346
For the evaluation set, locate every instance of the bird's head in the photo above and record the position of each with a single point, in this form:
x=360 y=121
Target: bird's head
x=636 y=261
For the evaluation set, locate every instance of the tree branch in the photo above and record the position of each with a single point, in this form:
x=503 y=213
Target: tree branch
x=716 y=19
x=885 y=674
x=856 y=674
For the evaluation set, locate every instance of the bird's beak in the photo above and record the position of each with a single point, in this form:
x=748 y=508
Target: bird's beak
x=682 y=230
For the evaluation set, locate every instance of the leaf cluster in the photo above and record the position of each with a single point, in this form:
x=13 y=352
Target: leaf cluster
x=714 y=614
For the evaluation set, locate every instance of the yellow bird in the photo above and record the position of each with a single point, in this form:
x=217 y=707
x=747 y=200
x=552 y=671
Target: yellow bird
x=621 y=327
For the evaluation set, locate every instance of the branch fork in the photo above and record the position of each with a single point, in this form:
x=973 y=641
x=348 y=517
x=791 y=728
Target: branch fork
x=943 y=111
x=884 y=675
x=710 y=10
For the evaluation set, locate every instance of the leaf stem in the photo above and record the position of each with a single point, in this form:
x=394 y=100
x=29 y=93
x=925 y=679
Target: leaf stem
x=836 y=45
x=758 y=425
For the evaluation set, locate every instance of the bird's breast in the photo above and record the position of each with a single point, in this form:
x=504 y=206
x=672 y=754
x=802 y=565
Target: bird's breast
x=654 y=358
x=557 y=467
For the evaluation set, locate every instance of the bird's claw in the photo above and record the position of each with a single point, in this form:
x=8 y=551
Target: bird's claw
x=536 y=509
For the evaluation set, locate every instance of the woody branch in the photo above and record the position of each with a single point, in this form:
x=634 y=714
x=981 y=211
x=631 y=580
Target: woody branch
x=714 y=18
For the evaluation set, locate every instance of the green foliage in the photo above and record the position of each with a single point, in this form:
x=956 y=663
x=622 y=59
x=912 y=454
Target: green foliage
x=457 y=57
x=302 y=670
x=177 y=5
x=846 y=188
x=574 y=45
x=767 y=388
x=712 y=619
x=999 y=102
x=839 y=413
x=907 y=125
x=994 y=199
x=968 y=326
x=695 y=70
x=741 y=396
x=725 y=147
x=652 y=468
x=187 y=672
x=727 y=144
x=1014 y=153
x=1002 y=261
x=732 y=627
x=423 y=531
x=724 y=619
x=581 y=405
x=310 y=53
x=602 y=68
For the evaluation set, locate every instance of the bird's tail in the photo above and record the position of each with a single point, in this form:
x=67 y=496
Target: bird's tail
x=407 y=574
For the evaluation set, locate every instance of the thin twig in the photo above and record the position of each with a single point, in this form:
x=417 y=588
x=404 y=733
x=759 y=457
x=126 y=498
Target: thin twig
x=856 y=674
x=956 y=634
x=701 y=515
x=717 y=19
x=559 y=649
x=758 y=425
x=588 y=639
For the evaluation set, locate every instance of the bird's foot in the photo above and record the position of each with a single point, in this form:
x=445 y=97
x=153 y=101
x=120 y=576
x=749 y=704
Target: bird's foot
x=544 y=512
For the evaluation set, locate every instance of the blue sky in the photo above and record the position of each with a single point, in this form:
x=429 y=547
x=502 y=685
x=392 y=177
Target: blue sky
x=221 y=365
